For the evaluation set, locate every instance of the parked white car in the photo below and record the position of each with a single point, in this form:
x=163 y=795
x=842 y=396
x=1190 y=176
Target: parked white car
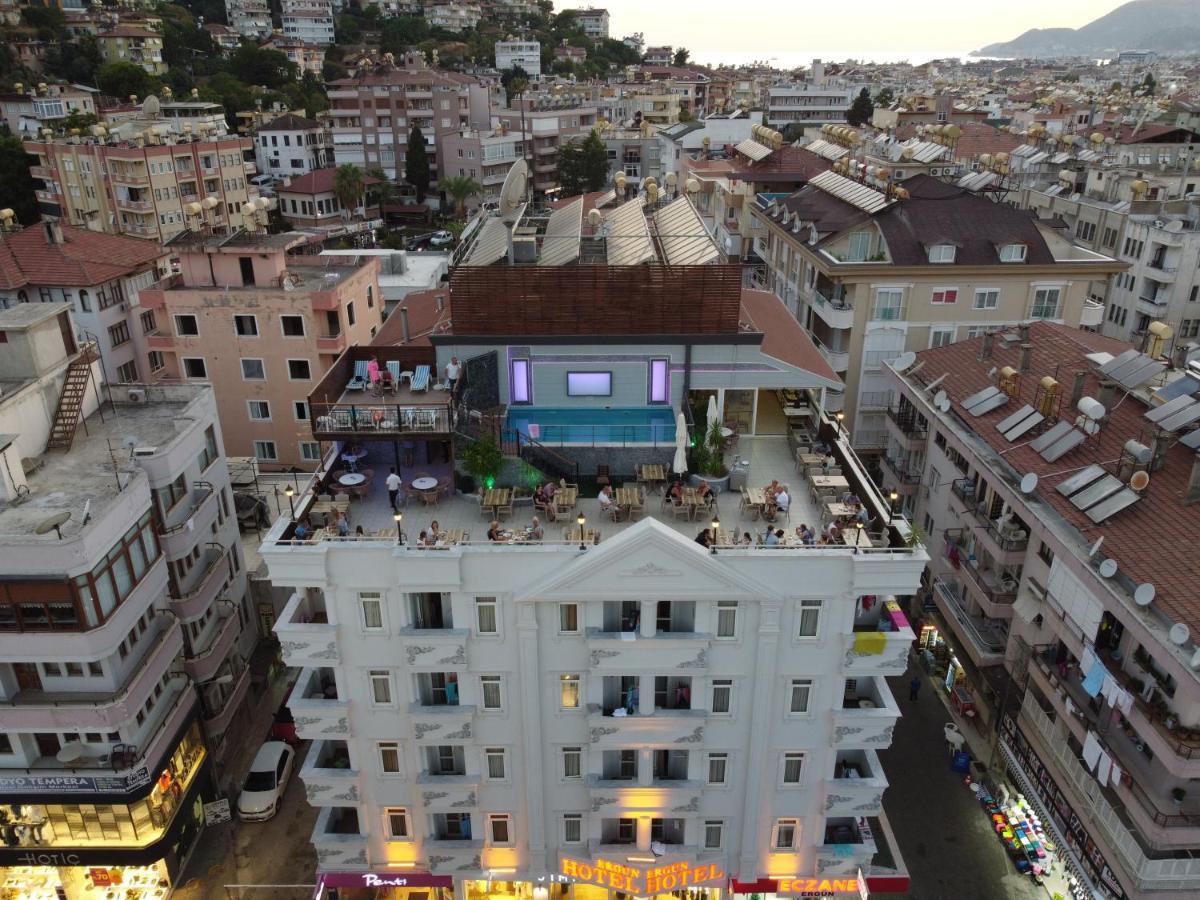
x=265 y=782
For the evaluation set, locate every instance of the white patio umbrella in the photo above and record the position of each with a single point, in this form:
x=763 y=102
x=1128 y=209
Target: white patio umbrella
x=679 y=466
x=713 y=415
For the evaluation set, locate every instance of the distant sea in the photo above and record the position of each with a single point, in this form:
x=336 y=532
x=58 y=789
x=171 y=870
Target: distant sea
x=791 y=59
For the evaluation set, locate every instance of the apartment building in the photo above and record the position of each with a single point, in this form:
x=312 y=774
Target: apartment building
x=310 y=202
x=550 y=124
x=508 y=718
x=308 y=58
x=100 y=275
x=144 y=186
x=485 y=156
x=373 y=113
x=659 y=56
x=526 y=54
x=632 y=105
x=129 y=43
x=816 y=101
x=262 y=326
x=309 y=26
x=636 y=152
x=125 y=635
x=453 y=16
x=873 y=269
x=1037 y=459
x=292 y=145
x=594 y=22
x=249 y=18
x=227 y=39
x=28 y=111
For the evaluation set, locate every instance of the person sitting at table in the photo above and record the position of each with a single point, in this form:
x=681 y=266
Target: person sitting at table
x=494 y=532
x=747 y=539
x=829 y=462
x=704 y=539
x=770 y=539
x=358 y=531
x=343 y=524
x=435 y=530
x=835 y=533
x=863 y=516
x=779 y=503
x=606 y=498
x=771 y=490
x=536 y=532
x=545 y=502
x=805 y=534
x=303 y=529
x=423 y=540
x=705 y=493
x=676 y=493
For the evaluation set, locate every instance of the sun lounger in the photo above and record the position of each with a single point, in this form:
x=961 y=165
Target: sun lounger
x=420 y=379
x=360 y=379
x=393 y=367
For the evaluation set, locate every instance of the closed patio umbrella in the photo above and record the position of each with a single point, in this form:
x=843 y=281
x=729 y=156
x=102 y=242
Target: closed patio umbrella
x=679 y=466
x=713 y=415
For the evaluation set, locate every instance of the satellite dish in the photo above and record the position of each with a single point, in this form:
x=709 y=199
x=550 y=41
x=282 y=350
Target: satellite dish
x=54 y=523
x=1139 y=481
x=512 y=193
x=942 y=401
x=1095 y=547
x=1179 y=634
x=1144 y=594
x=902 y=362
x=1196 y=660
x=1029 y=482
x=1108 y=568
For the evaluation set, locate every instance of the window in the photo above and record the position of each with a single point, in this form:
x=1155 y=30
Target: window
x=381 y=686
x=520 y=388
x=253 y=370
x=260 y=410
x=193 y=367
x=156 y=361
x=942 y=296
x=568 y=618
x=149 y=325
x=810 y=618
x=572 y=828
x=389 y=757
x=660 y=381
x=572 y=762
x=245 y=326
x=370 y=297
x=127 y=373
x=492 y=697
x=568 y=691
x=987 y=298
x=265 y=450
x=349 y=313
x=485 y=615
x=940 y=337
x=1045 y=554
x=118 y=334
x=714 y=830
x=397 y=823
x=722 y=696
x=1084 y=230
x=293 y=326
x=1109 y=239
x=889 y=304
x=860 y=246
x=942 y=253
x=727 y=618
x=793 y=764
x=85 y=304
x=186 y=326
x=494 y=757
x=371 y=605
x=717 y=765
x=299 y=370
x=500 y=828
x=1013 y=253
x=310 y=451
x=800 y=696
x=786 y=831
x=1045 y=303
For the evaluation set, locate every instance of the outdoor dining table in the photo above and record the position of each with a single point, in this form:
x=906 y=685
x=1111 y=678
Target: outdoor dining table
x=627 y=498
x=570 y=535
x=565 y=498
x=652 y=475
x=810 y=459
x=424 y=484
x=829 y=482
x=497 y=497
x=351 y=479
x=855 y=537
x=839 y=510
x=325 y=507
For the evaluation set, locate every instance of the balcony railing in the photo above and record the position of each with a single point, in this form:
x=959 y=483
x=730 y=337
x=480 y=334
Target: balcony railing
x=908 y=422
x=902 y=472
x=384 y=418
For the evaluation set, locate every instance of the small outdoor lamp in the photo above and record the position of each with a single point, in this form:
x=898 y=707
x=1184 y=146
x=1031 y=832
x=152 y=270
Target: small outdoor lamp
x=716 y=524
x=398 y=517
x=290 y=492
x=582 y=520
x=894 y=496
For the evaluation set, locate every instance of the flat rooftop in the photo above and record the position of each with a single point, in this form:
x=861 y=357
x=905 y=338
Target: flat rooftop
x=198 y=241
x=96 y=468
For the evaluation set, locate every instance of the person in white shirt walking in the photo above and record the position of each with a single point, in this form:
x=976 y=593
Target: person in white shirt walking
x=453 y=371
x=393 y=486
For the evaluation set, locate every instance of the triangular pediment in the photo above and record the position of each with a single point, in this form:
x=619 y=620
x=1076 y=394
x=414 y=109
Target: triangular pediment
x=646 y=560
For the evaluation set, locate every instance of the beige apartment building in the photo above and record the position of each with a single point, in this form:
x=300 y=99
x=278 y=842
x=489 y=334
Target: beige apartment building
x=143 y=187
x=550 y=124
x=873 y=269
x=262 y=325
x=129 y=43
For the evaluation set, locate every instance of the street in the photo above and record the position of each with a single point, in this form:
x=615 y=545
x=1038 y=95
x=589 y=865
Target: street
x=945 y=839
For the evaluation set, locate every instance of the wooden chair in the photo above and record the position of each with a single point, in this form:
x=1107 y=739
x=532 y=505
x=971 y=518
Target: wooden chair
x=446 y=486
x=683 y=509
x=324 y=498
x=341 y=497
x=506 y=509
x=430 y=498
x=835 y=470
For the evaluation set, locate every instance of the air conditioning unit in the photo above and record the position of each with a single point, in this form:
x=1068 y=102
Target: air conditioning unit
x=137 y=395
x=144 y=451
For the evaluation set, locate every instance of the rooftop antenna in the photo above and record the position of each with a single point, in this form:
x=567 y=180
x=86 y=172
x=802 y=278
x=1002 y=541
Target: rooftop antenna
x=512 y=200
x=941 y=400
x=1143 y=595
x=904 y=361
x=54 y=523
x=933 y=385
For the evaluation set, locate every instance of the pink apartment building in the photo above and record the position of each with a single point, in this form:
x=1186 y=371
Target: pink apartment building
x=261 y=321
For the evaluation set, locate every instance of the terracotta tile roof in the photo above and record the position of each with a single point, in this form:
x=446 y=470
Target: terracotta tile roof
x=784 y=338
x=290 y=122
x=1151 y=541
x=84 y=258
x=976 y=139
x=424 y=318
x=1124 y=134
x=130 y=31
x=789 y=164
x=318 y=181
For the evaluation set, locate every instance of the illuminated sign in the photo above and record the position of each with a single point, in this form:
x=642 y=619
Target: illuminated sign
x=74 y=784
x=635 y=880
x=817 y=886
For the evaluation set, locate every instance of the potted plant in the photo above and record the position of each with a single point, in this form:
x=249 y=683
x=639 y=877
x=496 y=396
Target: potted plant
x=1177 y=794
x=708 y=459
x=483 y=460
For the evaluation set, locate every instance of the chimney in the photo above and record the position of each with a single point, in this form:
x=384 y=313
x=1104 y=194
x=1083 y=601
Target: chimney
x=1108 y=390
x=1159 y=442
x=53 y=232
x=985 y=349
x=1025 y=358
x=1023 y=331
x=1193 y=487
x=441 y=302
x=1077 y=386
x=404 y=323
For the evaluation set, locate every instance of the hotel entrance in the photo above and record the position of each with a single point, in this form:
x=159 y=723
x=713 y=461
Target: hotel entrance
x=558 y=890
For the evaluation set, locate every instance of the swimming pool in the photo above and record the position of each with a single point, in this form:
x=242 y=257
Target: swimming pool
x=619 y=425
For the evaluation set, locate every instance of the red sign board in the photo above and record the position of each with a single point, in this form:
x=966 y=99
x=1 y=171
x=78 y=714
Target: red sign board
x=100 y=877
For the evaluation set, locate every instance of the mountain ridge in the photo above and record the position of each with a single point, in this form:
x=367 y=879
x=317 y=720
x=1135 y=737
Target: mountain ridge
x=1164 y=26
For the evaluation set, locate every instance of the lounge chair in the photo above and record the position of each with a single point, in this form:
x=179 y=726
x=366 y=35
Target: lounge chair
x=393 y=367
x=420 y=379
x=360 y=380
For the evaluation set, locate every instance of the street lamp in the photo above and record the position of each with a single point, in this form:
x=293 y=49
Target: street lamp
x=582 y=520
x=841 y=417
x=716 y=524
x=398 y=517
x=290 y=492
x=893 y=497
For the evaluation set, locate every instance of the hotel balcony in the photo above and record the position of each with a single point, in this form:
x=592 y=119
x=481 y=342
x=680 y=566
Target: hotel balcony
x=869 y=651
x=340 y=842
x=857 y=786
x=58 y=711
x=434 y=723
x=1092 y=315
x=327 y=776
x=45 y=172
x=190 y=517
x=613 y=651
x=848 y=846
x=216 y=721
x=317 y=706
x=129 y=177
x=203 y=665
x=306 y=636
x=1005 y=542
x=205 y=581
x=834 y=311
x=867 y=717
x=909 y=429
x=663 y=726
x=448 y=793
x=898 y=475
x=618 y=796
x=838 y=359
x=140 y=206
x=983 y=638
x=331 y=343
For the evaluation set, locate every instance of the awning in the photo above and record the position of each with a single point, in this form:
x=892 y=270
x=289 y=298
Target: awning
x=1027 y=607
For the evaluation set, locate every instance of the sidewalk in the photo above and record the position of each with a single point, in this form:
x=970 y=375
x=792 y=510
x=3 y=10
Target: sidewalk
x=945 y=839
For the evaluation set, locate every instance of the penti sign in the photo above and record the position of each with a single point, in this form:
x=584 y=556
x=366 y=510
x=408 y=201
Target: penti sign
x=635 y=880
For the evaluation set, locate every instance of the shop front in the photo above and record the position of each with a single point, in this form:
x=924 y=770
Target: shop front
x=391 y=885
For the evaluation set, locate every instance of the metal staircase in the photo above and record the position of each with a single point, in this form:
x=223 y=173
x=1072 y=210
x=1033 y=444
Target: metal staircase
x=70 y=402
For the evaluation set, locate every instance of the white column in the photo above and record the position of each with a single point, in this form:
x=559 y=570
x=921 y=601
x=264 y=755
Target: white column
x=755 y=832
x=649 y=623
x=537 y=756
x=645 y=767
x=643 y=833
x=645 y=695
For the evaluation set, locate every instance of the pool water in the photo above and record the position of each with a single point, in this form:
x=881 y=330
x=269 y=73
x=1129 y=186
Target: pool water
x=619 y=425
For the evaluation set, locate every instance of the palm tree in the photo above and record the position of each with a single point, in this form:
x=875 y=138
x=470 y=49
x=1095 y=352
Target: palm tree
x=385 y=190
x=461 y=188
x=348 y=187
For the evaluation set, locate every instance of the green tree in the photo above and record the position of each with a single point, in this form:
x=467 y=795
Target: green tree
x=385 y=190
x=270 y=68
x=686 y=116
x=682 y=55
x=397 y=36
x=460 y=188
x=1149 y=84
x=348 y=186
x=48 y=21
x=16 y=184
x=348 y=29
x=884 y=98
x=122 y=78
x=80 y=120
x=74 y=61
x=582 y=165
x=416 y=163
x=515 y=81
x=861 y=109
